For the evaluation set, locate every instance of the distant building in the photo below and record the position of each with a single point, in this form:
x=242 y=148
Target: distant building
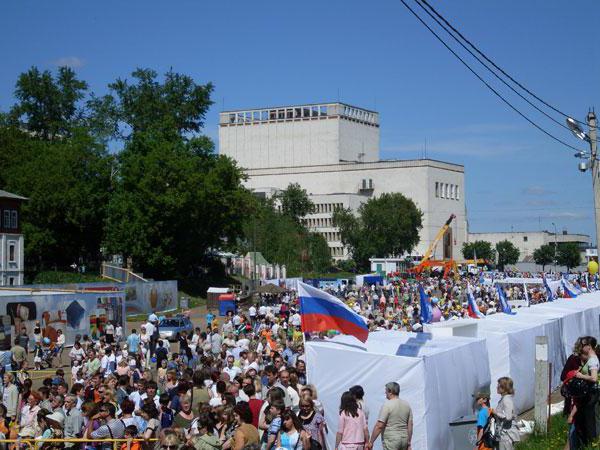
x=11 y=240
x=332 y=151
x=529 y=241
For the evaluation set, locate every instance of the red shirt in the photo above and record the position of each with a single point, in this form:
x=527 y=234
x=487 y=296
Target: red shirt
x=255 y=405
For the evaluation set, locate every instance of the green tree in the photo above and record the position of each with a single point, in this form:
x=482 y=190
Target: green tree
x=174 y=108
x=282 y=240
x=544 y=255
x=49 y=156
x=384 y=226
x=568 y=255
x=479 y=249
x=174 y=199
x=507 y=253
x=48 y=106
x=171 y=205
x=295 y=202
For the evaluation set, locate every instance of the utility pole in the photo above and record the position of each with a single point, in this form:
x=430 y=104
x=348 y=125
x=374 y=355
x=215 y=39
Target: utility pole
x=254 y=283
x=593 y=136
x=555 y=246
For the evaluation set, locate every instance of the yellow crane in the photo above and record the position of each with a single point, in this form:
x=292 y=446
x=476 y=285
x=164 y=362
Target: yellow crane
x=426 y=261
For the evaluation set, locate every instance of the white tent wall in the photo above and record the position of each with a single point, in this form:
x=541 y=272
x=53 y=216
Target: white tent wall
x=544 y=325
x=511 y=340
x=334 y=371
x=437 y=376
x=451 y=380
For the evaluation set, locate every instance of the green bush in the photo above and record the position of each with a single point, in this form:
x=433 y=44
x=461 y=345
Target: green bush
x=58 y=277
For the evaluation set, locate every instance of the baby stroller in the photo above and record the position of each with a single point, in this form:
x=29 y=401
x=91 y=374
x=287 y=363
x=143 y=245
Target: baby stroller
x=46 y=354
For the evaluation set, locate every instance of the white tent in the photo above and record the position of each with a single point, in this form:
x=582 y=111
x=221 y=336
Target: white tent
x=511 y=339
x=437 y=376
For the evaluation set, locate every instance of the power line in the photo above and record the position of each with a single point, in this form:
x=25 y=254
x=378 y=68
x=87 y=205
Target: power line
x=488 y=68
x=494 y=64
x=510 y=105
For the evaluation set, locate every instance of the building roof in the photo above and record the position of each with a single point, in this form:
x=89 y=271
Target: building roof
x=299 y=105
x=5 y=194
x=353 y=166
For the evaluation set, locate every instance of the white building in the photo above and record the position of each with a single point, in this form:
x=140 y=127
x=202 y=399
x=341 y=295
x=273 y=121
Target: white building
x=529 y=241
x=332 y=151
x=12 y=258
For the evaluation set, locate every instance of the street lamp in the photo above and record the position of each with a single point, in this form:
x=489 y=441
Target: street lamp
x=592 y=163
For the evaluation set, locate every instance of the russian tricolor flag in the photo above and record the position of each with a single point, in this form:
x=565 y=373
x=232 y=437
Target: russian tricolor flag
x=321 y=311
x=473 y=309
x=568 y=291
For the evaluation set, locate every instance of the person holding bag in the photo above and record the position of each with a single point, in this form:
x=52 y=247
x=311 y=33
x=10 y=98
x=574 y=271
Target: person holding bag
x=505 y=415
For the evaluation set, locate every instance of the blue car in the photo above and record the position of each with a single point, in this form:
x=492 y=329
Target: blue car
x=171 y=327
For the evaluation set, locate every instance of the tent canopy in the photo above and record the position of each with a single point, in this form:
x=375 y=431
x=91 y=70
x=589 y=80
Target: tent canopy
x=431 y=371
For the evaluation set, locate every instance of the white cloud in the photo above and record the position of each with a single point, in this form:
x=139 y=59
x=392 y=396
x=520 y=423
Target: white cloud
x=537 y=191
x=565 y=215
x=69 y=61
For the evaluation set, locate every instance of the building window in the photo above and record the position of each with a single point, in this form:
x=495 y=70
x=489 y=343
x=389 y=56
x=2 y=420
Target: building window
x=457 y=193
x=446 y=189
x=15 y=219
x=452 y=192
x=11 y=281
x=6 y=218
x=437 y=189
x=524 y=238
x=12 y=253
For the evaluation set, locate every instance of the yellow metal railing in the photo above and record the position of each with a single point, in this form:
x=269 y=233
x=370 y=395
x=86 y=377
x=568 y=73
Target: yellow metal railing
x=32 y=444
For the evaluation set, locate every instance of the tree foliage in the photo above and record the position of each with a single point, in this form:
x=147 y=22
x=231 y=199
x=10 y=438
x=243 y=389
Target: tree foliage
x=568 y=255
x=48 y=106
x=174 y=198
x=295 y=202
x=50 y=158
x=479 y=249
x=384 y=226
x=174 y=108
x=507 y=253
x=282 y=240
x=544 y=255
x=164 y=198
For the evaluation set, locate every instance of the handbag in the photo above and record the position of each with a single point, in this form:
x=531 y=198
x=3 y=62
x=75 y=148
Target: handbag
x=491 y=433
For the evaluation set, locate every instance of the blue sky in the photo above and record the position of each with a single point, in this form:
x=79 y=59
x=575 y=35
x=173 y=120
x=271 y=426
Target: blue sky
x=370 y=54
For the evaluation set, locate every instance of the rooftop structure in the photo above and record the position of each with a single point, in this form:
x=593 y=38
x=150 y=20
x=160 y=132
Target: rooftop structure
x=299 y=135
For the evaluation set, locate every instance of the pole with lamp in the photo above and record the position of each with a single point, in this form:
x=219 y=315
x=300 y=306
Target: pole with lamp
x=591 y=137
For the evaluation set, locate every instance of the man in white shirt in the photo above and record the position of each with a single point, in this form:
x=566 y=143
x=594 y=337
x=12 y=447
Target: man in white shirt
x=108 y=363
x=296 y=320
x=262 y=312
x=149 y=326
x=284 y=380
x=230 y=369
x=252 y=313
x=151 y=392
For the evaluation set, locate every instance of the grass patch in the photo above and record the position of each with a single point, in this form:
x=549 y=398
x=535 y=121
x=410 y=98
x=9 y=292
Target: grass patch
x=554 y=440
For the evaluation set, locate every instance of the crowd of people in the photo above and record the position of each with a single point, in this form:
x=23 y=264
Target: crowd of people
x=235 y=382
x=396 y=304
x=240 y=384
